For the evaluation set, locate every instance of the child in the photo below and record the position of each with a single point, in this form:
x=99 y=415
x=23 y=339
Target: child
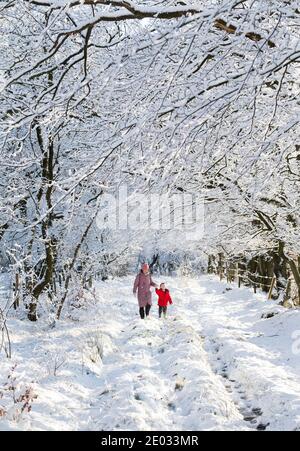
x=163 y=299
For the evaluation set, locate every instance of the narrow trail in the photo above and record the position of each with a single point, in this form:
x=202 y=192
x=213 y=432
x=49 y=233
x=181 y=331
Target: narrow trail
x=214 y=364
x=160 y=378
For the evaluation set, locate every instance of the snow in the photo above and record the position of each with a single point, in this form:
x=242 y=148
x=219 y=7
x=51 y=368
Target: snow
x=214 y=363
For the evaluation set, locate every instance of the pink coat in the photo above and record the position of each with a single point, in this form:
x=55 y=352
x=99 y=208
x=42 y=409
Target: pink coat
x=142 y=286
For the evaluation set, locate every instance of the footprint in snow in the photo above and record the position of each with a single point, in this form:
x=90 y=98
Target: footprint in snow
x=172 y=406
x=137 y=397
x=262 y=427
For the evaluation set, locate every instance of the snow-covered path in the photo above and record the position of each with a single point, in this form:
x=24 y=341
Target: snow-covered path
x=214 y=364
x=159 y=376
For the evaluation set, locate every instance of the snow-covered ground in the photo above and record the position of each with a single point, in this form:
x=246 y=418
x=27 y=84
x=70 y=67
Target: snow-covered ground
x=214 y=364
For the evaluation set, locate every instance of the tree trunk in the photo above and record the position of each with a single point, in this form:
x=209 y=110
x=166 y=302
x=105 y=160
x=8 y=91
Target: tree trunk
x=17 y=291
x=288 y=293
x=221 y=266
x=45 y=193
x=296 y=274
x=281 y=268
x=32 y=311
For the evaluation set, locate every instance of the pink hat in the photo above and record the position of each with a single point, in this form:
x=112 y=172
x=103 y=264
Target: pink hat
x=145 y=267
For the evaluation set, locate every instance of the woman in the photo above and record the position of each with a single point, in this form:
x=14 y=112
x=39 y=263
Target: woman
x=142 y=286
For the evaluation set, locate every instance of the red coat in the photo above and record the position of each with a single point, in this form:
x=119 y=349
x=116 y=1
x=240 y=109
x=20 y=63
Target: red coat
x=163 y=298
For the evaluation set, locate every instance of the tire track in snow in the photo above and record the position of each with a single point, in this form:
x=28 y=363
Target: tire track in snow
x=249 y=411
x=137 y=395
